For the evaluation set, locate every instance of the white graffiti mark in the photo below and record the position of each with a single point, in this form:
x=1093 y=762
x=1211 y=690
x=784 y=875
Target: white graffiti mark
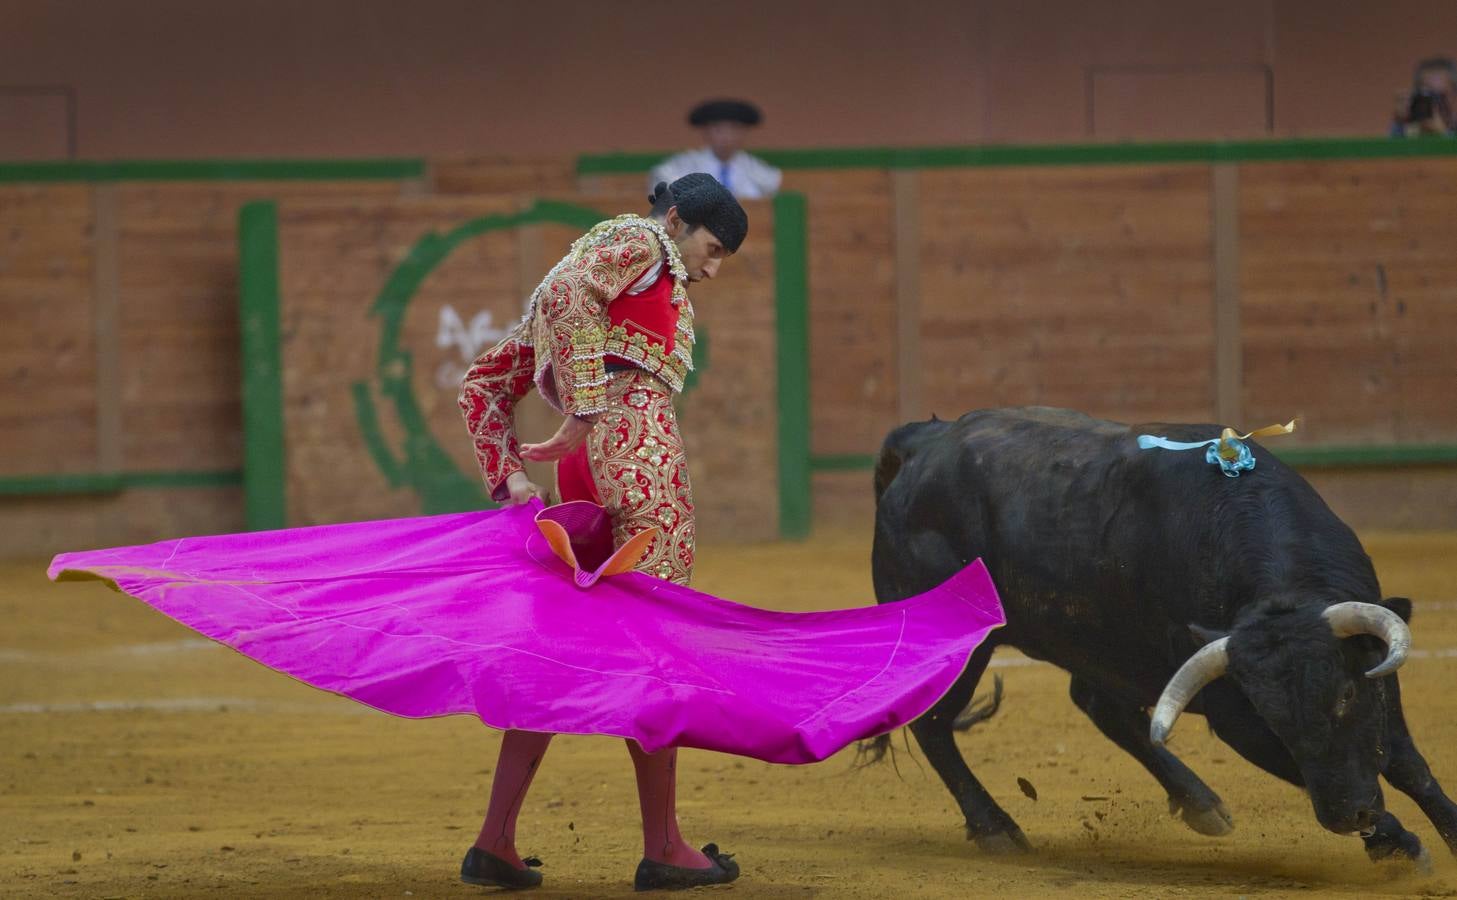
x=469 y=340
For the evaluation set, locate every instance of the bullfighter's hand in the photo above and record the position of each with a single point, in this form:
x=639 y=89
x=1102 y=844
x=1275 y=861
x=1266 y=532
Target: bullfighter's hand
x=523 y=489
x=569 y=437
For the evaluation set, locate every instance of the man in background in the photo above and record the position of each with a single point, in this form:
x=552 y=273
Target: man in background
x=1428 y=109
x=725 y=125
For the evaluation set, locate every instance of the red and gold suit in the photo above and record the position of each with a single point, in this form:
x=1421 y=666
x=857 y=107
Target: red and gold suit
x=608 y=336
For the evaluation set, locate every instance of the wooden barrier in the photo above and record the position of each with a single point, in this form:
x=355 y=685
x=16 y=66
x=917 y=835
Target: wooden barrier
x=1348 y=281
x=1183 y=282
x=120 y=414
x=1082 y=287
x=385 y=304
x=177 y=288
x=1234 y=283
x=48 y=407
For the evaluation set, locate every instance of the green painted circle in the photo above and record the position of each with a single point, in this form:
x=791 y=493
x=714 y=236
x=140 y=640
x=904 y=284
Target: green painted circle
x=424 y=465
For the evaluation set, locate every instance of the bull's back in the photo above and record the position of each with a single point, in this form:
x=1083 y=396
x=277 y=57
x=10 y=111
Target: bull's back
x=1010 y=485
x=1069 y=515
x=1095 y=545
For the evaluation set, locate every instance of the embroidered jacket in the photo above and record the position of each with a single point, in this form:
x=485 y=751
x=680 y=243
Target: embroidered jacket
x=571 y=329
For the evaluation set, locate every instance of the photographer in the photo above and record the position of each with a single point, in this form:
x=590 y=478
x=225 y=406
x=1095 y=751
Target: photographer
x=1428 y=108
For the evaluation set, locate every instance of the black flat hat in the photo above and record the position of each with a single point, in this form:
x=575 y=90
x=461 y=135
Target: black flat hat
x=711 y=111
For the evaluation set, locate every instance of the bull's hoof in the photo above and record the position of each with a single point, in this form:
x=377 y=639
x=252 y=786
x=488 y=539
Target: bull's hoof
x=1423 y=862
x=1420 y=862
x=1215 y=821
x=1401 y=848
x=1003 y=843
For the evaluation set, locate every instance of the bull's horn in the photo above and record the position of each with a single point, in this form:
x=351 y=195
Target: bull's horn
x=1203 y=667
x=1349 y=619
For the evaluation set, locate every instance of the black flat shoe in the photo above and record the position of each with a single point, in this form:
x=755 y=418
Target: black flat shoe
x=480 y=867
x=656 y=876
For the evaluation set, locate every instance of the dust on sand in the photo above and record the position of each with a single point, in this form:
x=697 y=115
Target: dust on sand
x=140 y=760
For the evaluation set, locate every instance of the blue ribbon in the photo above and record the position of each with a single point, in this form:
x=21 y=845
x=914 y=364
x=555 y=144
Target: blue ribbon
x=1239 y=458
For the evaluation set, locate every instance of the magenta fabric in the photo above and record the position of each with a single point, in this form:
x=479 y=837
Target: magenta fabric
x=471 y=613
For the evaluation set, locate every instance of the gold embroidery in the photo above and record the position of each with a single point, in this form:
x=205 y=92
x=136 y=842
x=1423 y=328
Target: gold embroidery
x=648 y=356
x=647 y=331
x=572 y=299
x=587 y=381
x=641 y=473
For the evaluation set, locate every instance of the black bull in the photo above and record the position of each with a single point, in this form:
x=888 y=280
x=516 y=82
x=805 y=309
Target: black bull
x=1156 y=581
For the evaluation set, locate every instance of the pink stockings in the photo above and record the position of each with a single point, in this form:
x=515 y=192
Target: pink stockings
x=657 y=776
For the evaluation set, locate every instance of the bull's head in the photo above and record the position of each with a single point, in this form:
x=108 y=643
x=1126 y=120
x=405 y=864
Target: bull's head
x=1301 y=667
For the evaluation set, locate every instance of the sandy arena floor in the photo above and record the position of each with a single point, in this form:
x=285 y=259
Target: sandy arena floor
x=141 y=761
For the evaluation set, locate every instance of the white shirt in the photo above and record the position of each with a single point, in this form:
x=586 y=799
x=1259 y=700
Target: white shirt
x=647 y=280
x=747 y=177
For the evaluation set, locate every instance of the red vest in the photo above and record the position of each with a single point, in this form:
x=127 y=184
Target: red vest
x=650 y=314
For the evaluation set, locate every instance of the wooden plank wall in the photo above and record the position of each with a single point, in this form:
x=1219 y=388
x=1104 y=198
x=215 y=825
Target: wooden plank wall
x=335 y=259
x=1083 y=287
x=1096 y=287
x=854 y=359
x=1349 y=285
x=939 y=290
x=120 y=351
x=178 y=284
x=47 y=342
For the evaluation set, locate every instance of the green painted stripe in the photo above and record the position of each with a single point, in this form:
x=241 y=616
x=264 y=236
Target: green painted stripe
x=215 y=170
x=1368 y=457
x=1341 y=457
x=42 y=485
x=221 y=478
x=791 y=303
x=113 y=482
x=1057 y=154
x=263 y=453
x=842 y=462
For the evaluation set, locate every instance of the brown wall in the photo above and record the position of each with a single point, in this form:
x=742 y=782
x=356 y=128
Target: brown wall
x=119 y=351
x=177 y=78
x=933 y=291
x=1095 y=288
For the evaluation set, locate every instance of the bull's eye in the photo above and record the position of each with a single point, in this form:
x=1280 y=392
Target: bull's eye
x=1348 y=694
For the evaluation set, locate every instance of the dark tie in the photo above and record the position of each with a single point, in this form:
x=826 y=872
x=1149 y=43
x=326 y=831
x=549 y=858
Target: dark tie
x=723 y=178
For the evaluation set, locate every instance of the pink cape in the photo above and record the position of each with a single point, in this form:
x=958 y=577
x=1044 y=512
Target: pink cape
x=472 y=613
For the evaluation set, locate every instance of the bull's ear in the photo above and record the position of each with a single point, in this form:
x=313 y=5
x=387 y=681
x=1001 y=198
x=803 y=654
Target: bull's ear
x=1399 y=605
x=1204 y=635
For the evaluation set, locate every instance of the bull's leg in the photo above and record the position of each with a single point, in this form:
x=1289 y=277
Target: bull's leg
x=1126 y=725
x=986 y=822
x=1390 y=840
x=1407 y=771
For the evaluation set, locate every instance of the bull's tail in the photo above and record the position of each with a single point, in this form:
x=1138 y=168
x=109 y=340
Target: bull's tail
x=886 y=467
x=893 y=453
x=876 y=750
x=979 y=710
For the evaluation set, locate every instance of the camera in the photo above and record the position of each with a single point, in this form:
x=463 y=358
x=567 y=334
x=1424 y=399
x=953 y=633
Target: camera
x=1425 y=104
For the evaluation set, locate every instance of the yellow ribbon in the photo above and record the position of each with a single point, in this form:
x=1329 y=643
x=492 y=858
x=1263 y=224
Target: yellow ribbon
x=1230 y=451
